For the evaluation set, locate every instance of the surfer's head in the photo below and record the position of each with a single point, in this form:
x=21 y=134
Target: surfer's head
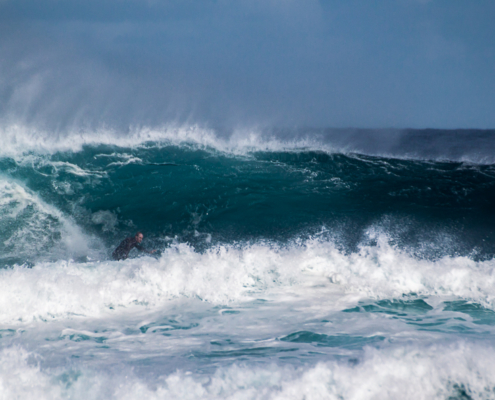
x=139 y=237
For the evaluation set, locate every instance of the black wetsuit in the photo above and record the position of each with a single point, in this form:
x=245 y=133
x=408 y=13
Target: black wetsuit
x=122 y=252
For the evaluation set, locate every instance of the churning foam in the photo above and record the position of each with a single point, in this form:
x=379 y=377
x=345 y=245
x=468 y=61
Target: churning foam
x=34 y=226
x=435 y=372
x=225 y=274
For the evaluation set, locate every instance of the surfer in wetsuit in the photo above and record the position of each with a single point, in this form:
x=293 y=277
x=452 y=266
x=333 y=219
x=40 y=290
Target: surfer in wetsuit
x=122 y=251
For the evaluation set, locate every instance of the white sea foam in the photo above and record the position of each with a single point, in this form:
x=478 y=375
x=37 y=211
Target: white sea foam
x=21 y=380
x=225 y=274
x=40 y=162
x=73 y=169
x=107 y=219
x=53 y=290
x=435 y=372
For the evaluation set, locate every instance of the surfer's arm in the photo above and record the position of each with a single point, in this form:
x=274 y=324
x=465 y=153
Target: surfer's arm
x=141 y=248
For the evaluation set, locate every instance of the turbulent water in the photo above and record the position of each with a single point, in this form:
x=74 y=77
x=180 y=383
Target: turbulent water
x=324 y=265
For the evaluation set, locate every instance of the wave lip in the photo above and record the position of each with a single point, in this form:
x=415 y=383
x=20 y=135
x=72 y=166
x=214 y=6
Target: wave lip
x=19 y=140
x=469 y=146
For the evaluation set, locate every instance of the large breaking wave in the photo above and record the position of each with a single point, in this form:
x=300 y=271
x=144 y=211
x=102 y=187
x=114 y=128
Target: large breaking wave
x=290 y=265
x=75 y=195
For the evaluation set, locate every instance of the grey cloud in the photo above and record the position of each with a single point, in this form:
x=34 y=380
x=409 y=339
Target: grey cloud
x=274 y=62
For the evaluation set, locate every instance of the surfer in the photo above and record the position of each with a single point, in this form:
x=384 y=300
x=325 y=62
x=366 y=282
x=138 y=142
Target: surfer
x=122 y=251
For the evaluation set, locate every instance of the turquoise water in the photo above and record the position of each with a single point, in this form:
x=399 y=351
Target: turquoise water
x=282 y=271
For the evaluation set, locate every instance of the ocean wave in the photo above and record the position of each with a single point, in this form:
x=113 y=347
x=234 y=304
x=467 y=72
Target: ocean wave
x=177 y=191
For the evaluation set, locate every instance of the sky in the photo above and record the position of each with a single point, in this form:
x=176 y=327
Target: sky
x=231 y=63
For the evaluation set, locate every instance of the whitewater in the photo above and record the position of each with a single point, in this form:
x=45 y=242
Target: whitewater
x=290 y=265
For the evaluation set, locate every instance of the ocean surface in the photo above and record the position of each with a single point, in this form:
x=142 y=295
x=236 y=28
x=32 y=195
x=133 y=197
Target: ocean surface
x=290 y=264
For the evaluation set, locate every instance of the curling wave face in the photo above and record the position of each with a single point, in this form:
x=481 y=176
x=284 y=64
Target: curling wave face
x=204 y=196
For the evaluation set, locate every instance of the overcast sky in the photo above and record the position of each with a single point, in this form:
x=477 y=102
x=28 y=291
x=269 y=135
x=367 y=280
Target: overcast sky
x=345 y=63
